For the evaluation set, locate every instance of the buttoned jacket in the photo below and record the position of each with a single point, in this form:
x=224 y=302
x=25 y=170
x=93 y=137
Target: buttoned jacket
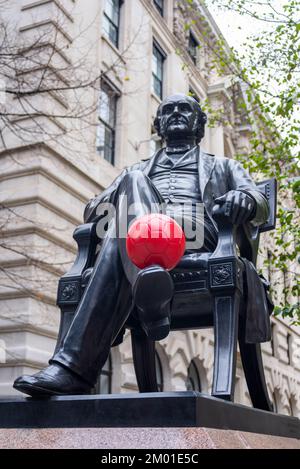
x=217 y=176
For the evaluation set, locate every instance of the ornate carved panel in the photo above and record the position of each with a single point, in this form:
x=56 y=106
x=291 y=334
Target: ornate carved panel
x=68 y=292
x=222 y=274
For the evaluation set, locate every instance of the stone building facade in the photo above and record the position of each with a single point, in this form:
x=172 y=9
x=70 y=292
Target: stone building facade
x=105 y=66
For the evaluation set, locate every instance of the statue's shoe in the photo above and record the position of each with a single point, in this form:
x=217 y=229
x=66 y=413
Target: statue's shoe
x=152 y=293
x=52 y=381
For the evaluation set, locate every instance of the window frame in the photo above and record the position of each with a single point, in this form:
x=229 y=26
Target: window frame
x=111 y=22
x=156 y=47
x=159 y=8
x=107 y=125
x=192 y=38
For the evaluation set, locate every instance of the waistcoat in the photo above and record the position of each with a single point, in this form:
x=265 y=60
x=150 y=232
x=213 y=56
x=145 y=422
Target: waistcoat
x=176 y=178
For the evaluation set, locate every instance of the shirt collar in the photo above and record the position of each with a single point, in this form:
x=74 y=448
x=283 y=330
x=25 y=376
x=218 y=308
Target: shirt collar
x=177 y=160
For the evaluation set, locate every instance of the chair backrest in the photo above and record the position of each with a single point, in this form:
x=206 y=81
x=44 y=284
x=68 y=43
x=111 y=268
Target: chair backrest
x=269 y=189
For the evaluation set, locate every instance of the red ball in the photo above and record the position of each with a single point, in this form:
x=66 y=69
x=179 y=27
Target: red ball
x=155 y=239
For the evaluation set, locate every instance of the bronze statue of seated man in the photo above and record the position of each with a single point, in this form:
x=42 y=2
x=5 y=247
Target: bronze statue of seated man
x=178 y=173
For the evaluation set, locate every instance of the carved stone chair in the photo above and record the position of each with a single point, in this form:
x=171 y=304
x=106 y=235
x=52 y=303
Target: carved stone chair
x=209 y=292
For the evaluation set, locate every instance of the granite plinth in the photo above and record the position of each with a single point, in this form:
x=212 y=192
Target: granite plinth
x=140 y=438
x=176 y=409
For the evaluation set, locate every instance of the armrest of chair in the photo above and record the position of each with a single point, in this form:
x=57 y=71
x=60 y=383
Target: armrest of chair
x=70 y=284
x=245 y=236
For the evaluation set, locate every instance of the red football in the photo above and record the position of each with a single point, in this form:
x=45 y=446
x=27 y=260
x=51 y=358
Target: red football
x=155 y=239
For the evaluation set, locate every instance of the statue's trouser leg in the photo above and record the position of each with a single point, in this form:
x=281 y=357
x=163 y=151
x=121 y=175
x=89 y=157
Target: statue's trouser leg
x=135 y=197
x=106 y=302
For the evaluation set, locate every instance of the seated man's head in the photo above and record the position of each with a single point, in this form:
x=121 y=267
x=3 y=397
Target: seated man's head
x=180 y=117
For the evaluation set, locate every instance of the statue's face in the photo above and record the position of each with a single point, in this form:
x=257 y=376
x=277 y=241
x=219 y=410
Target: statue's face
x=178 y=117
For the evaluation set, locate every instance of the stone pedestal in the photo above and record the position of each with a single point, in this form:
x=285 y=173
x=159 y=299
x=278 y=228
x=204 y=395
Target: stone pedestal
x=178 y=420
x=140 y=438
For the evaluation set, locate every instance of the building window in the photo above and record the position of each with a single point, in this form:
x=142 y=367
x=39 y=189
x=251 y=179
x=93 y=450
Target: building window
x=106 y=129
x=104 y=383
x=193 y=379
x=158 y=58
x=193 y=48
x=111 y=20
x=159 y=5
x=159 y=373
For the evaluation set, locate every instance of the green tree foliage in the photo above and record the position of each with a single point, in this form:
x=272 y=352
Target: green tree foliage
x=268 y=69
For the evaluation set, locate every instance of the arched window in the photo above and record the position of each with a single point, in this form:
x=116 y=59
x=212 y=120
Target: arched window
x=193 y=379
x=103 y=385
x=159 y=373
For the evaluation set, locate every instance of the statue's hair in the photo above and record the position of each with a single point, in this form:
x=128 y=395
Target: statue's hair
x=202 y=119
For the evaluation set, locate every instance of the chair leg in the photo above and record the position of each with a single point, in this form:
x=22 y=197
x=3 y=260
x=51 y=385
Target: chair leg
x=254 y=372
x=226 y=313
x=143 y=351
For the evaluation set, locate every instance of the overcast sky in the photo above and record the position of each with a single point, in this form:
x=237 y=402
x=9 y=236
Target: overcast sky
x=236 y=28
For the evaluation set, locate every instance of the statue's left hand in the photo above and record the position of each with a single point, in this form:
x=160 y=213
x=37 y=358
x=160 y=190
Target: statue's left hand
x=238 y=206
